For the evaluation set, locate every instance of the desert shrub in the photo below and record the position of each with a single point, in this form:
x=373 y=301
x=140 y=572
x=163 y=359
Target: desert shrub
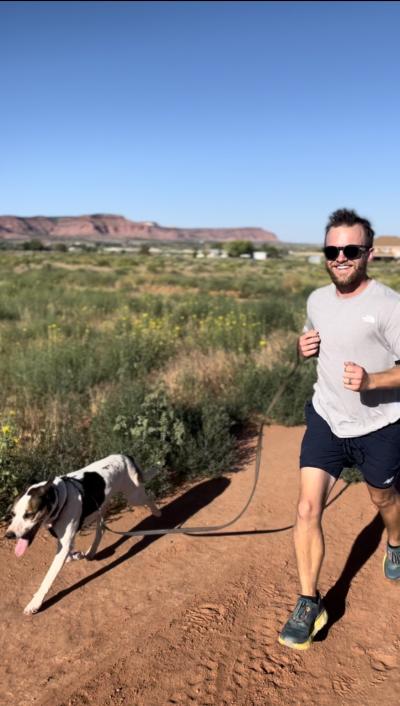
x=208 y=446
x=273 y=313
x=181 y=441
x=289 y=408
x=236 y=248
x=9 y=476
x=46 y=450
x=33 y=244
x=9 y=311
x=352 y=475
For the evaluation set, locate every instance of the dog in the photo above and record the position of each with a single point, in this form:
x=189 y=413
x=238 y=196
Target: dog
x=66 y=502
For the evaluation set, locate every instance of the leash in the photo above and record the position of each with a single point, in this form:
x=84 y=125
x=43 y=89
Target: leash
x=196 y=530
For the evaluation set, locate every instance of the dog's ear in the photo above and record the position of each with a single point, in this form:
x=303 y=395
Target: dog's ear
x=43 y=489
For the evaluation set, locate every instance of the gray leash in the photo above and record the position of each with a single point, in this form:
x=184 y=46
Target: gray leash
x=195 y=530
x=215 y=528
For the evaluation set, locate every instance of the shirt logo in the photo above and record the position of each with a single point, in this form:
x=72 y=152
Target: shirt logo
x=368 y=318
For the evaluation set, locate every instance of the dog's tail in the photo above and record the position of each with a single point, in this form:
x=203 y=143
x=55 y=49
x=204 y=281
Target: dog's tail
x=144 y=476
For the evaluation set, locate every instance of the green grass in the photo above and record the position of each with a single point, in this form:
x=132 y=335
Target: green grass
x=164 y=357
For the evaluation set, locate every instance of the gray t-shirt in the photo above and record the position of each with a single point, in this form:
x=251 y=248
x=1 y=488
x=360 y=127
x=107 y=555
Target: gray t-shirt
x=363 y=329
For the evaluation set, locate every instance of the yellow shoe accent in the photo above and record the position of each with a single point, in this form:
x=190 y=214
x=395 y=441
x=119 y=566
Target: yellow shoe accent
x=320 y=622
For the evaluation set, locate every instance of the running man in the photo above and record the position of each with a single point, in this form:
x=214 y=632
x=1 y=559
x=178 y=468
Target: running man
x=353 y=327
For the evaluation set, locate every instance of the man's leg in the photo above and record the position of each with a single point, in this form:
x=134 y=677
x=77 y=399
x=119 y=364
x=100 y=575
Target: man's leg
x=315 y=486
x=309 y=615
x=387 y=501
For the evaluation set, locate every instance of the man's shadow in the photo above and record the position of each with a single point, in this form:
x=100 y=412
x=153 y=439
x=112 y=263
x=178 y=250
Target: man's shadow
x=363 y=548
x=175 y=513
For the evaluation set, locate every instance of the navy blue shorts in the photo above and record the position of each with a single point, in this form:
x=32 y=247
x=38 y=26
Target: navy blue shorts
x=376 y=455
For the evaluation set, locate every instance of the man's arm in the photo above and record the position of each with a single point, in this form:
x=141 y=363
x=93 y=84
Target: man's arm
x=357 y=379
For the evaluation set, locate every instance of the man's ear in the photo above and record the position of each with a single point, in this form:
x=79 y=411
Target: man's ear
x=371 y=255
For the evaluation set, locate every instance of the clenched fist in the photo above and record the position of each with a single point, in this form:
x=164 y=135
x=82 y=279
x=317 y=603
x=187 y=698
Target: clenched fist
x=309 y=343
x=355 y=378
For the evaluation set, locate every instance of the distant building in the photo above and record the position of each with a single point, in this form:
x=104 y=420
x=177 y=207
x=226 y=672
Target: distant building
x=216 y=252
x=260 y=255
x=387 y=247
x=315 y=259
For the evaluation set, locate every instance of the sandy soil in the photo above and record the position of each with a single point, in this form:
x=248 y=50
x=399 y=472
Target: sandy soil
x=194 y=620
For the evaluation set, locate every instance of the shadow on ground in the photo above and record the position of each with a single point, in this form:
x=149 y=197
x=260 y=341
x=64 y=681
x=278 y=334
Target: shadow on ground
x=363 y=548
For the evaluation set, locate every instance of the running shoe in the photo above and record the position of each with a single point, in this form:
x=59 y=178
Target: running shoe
x=304 y=623
x=391 y=563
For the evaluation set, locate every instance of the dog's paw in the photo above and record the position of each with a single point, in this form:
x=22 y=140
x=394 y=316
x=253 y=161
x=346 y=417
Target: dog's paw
x=32 y=607
x=75 y=556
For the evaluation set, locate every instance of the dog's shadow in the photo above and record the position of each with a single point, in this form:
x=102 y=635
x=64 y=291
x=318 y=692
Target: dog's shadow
x=175 y=513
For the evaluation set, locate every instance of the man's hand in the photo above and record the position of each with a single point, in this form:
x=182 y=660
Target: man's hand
x=355 y=378
x=309 y=343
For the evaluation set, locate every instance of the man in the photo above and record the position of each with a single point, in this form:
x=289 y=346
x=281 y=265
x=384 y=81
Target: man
x=353 y=326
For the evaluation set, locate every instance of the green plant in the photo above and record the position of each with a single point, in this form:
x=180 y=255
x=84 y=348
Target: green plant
x=155 y=429
x=9 y=440
x=236 y=248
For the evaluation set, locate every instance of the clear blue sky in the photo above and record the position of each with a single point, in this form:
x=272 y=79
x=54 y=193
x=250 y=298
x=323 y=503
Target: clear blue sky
x=267 y=114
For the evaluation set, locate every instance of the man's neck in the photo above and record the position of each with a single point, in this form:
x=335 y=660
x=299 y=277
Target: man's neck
x=352 y=290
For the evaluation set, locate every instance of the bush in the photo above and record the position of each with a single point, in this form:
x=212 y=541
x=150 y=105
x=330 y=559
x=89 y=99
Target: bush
x=9 y=476
x=181 y=441
x=33 y=244
x=236 y=248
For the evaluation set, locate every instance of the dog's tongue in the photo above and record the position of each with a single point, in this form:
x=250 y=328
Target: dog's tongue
x=21 y=546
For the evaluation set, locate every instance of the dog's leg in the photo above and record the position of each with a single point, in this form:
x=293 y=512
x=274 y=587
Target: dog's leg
x=64 y=547
x=138 y=496
x=90 y=553
x=153 y=507
x=72 y=554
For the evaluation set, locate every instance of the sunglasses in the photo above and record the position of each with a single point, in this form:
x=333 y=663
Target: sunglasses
x=351 y=252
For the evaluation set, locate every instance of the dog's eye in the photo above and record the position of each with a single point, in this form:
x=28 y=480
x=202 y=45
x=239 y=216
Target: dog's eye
x=27 y=515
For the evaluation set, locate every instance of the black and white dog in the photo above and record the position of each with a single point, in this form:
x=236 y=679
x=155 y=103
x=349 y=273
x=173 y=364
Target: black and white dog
x=63 y=504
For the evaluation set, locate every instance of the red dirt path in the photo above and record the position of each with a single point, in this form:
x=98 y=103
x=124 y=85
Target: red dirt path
x=194 y=620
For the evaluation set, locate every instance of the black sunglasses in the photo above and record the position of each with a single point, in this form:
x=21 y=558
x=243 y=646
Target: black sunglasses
x=351 y=252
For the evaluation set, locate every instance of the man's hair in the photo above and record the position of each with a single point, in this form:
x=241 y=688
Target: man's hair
x=348 y=217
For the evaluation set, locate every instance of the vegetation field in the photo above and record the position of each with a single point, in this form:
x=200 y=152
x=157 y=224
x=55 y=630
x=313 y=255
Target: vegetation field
x=166 y=358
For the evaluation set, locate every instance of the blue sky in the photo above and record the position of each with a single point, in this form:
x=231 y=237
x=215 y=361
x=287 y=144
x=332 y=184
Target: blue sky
x=199 y=114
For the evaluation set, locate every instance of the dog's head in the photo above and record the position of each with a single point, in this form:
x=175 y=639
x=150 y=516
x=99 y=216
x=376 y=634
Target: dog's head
x=29 y=511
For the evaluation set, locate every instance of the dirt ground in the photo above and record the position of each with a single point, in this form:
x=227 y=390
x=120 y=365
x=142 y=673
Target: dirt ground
x=194 y=621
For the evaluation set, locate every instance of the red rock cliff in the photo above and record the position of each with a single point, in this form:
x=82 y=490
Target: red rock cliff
x=104 y=227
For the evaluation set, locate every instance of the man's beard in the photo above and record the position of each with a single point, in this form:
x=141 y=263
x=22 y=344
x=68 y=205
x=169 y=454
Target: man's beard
x=355 y=276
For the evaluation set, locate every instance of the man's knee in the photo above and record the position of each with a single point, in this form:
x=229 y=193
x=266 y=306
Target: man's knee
x=309 y=510
x=383 y=498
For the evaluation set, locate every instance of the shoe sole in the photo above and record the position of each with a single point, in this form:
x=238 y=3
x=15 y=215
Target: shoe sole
x=384 y=572
x=320 y=622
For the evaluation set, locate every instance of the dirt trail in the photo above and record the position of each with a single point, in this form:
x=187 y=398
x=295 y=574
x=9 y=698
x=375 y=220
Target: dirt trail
x=194 y=620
